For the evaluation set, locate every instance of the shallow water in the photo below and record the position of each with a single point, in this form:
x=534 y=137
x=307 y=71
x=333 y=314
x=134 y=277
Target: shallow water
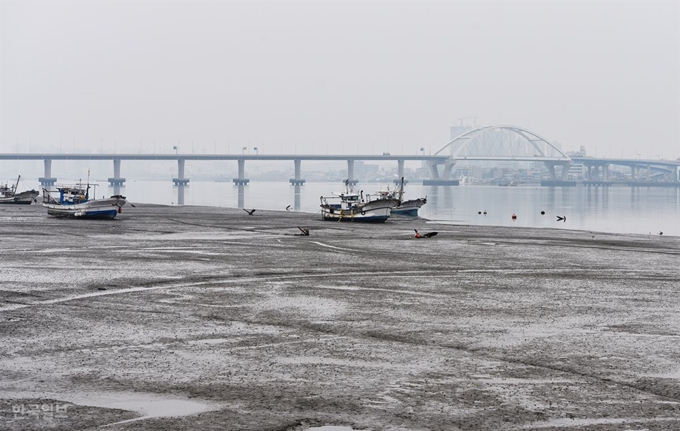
x=146 y=404
x=639 y=210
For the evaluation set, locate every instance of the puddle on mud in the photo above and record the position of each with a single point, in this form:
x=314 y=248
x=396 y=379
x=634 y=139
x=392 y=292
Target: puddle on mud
x=146 y=404
x=578 y=423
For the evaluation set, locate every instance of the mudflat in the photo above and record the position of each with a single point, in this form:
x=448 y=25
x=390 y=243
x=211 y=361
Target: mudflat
x=195 y=318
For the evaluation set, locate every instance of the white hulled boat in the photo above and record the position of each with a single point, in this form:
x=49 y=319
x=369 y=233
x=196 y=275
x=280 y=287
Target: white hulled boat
x=408 y=207
x=74 y=201
x=9 y=195
x=352 y=207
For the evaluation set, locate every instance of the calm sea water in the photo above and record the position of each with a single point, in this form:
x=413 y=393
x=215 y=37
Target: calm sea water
x=638 y=210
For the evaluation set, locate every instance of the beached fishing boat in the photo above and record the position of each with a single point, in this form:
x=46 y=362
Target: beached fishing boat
x=352 y=207
x=75 y=202
x=403 y=207
x=9 y=195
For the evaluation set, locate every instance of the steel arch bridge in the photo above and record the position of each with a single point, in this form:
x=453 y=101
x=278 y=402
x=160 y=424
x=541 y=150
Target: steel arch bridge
x=501 y=143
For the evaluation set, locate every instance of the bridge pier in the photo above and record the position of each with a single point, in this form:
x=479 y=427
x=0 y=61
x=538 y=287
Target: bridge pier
x=554 y=181
x=434 y=170
x=435 y=179
x=350 y=172
x=597 y=175
x=241 y=180
x=180 y=180
x=116 y=180
x=48 y=179
x=565 y=171
x=297 y=181
x=448 y=167
x=551 y=171
x=400 y=171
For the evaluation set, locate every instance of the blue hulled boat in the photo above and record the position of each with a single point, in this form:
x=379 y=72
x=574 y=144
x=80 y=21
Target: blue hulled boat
x=75 y=202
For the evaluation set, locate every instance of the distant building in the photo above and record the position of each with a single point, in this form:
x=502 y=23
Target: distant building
x=365 y=170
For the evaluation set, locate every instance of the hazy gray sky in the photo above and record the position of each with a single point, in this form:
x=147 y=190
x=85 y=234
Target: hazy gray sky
x=371 y=76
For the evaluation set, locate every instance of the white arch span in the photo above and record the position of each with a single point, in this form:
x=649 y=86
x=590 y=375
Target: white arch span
x=502 y=142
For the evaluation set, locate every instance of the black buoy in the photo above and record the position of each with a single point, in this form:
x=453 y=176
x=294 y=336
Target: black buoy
x=542 y=212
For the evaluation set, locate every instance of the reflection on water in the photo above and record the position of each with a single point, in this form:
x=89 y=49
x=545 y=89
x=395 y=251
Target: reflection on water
x=608 y=209
x=439 y=197
x=180 y=194
x=241 y=196
x=296 y=205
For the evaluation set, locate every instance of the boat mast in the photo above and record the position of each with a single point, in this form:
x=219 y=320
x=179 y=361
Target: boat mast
x=14 y=188
x=401 y=190
x=87 y=191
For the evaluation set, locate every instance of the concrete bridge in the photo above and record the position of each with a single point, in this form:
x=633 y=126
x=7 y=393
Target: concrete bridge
x=597 y=170
x=484 y=144
x=241 y=159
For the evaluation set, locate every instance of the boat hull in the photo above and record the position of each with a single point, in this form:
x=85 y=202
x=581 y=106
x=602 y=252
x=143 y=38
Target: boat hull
x=410 y=212
x=23 y=198
x=375 y=214
x=84 y=214
x=99 y=209
x=409 y=208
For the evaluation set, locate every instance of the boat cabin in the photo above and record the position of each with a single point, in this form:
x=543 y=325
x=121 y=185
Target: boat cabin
x=5 y=191
x=73 y=195
x=348 y=201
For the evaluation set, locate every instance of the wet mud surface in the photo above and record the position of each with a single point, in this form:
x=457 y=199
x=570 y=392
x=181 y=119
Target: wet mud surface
x=187 y=318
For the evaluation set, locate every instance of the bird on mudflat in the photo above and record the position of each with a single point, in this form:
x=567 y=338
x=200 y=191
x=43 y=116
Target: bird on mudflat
x=249 y=212
x=288 y=208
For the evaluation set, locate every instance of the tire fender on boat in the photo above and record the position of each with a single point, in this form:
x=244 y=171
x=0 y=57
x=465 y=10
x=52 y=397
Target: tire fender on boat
x=363 y=212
